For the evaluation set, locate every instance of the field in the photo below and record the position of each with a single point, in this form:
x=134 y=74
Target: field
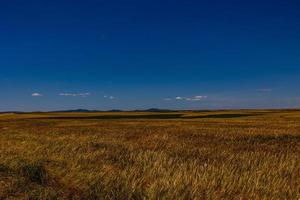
x=250 y=154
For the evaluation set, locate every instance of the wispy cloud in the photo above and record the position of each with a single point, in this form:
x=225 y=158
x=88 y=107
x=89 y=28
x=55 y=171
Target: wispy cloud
x=109 y=97
x=179 y=98
x=195 y=98
x=36 y=94
x=75 y=94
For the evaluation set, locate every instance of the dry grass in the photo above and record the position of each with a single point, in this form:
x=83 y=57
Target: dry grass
x=209 y=155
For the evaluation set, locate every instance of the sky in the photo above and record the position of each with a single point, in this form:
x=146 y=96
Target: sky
x=133 y=54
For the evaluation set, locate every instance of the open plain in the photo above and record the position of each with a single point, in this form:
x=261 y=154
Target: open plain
x=243 y=154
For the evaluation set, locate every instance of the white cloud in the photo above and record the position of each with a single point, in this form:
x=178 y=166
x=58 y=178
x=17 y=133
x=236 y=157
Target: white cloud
x=195 y=98
x=200 y=97
x=36 y=94
x=75 y=94
x=109 y=97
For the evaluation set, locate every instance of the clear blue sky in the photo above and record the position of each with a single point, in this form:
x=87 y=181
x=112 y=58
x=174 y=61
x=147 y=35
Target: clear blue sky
x=94 y=54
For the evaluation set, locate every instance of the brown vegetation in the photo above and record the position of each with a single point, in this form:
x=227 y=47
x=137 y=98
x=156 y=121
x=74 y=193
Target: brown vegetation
x=191 y=155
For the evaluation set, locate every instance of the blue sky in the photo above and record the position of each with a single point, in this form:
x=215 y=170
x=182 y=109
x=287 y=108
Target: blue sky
x=68 y=54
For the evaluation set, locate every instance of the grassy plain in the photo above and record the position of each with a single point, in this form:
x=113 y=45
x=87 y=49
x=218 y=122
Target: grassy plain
x=252 y=154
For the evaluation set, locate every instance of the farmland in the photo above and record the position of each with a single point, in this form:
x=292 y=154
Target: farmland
x=248 y=154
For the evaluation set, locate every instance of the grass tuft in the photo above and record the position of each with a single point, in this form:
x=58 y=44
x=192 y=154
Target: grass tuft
x=4 y=168
x=35 y=173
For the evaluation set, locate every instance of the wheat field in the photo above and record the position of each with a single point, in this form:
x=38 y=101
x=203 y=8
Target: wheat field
x=249 y=154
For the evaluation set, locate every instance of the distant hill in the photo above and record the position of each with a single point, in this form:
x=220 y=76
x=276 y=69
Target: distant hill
x=116 y=110
x=11 y=112
x=154 y=110
x=78 y=110
x=145 y=110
